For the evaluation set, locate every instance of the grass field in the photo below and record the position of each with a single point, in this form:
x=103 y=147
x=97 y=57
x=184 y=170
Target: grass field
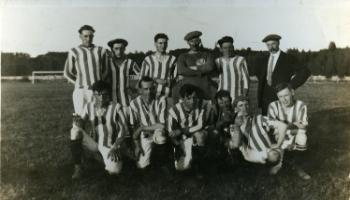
x=35 y=159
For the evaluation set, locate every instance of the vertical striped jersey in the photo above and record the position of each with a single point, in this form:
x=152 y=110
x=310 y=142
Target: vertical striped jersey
x=84 y=66
x=234 y=76
x=257 y=133
x=120 y=79
x=298 y=112
x=195 y=120
x=146 y=115
x=165 y=69
x=109 y=125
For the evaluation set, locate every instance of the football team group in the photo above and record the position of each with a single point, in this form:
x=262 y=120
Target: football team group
x=176 y=117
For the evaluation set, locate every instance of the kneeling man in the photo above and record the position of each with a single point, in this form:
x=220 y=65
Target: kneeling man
x=107 y=122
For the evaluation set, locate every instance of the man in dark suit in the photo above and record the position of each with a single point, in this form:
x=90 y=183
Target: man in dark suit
x=275 y=68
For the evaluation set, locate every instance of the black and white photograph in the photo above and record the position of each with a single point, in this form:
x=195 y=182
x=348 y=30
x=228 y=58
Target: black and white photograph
x=185 y=99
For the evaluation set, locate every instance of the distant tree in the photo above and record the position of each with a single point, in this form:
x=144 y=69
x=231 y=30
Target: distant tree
x=332 y=46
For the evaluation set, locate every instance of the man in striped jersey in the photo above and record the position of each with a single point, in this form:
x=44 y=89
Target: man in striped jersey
x=108 y=122
x=294 y=113
x=85 y=65
x=147 y=116
x=187 y=122
x=234 y=76
x=160 y=66
x=121 y=68
x=257 y=143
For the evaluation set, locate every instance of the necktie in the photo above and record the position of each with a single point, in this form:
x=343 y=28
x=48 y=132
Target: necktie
x=269 y=71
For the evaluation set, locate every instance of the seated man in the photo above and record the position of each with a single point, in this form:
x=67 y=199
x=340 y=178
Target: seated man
x=108 y=123
x=147 y=117
x=294 y=113
x=254 y=140
x=187 y=121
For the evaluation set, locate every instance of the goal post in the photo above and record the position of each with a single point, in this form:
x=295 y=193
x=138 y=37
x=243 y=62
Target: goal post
x=38 y=73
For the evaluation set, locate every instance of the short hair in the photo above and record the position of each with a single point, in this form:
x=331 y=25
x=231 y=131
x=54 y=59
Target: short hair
x=223 y=93
x=145 y=79
x=187 y=90
x=86 y=27
x=225 y=39
x=160 y=36
x=240 y=98
x=100 y=86
x=281 y=86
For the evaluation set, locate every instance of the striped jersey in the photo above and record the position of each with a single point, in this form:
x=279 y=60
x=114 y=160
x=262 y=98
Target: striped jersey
x=143 y=114
x=84 y=66
x=195 y=120
x=257 y=133
x=297 y=112
x=234 y=76
x=165 y=69
x=120 y=79
x=109 y=125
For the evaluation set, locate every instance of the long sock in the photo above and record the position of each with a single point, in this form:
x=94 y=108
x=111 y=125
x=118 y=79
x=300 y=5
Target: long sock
x=76 y=150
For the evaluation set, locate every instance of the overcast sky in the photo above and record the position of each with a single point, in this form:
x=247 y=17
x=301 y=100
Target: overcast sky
x=36 y=27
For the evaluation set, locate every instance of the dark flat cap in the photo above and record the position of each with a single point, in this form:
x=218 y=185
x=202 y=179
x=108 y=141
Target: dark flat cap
x=225 y=39
x=193 y=34
x=117 y=41
x=274 y=37
x=86 y=27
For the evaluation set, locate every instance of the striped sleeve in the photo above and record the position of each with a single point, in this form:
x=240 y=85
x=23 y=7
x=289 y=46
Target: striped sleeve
x=172 y=123
x=200 y=122
x=70 y=71
x=303 y=114
x=105 y=63
x=271 y=111
x=135 y=68
x=162 y=110
x=245 y=73
x=144 y=68
x=120 y=119
x=133 y=113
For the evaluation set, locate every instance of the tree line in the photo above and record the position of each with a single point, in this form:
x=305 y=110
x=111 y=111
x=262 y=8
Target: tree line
x=328 y=62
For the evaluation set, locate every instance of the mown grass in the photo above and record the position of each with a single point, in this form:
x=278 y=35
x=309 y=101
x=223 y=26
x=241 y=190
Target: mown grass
x=35 y=159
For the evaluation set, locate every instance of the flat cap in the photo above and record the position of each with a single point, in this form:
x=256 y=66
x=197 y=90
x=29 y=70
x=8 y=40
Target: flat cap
x=86 y=27
x=117 y=41
x=274 y=37
x=225 y=39
x=193 y=34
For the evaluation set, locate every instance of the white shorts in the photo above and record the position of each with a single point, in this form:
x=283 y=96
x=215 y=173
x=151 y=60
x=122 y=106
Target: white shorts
x=296 y=142
x=146 y=145
x=184 y=162
x=113 y=167
x=81 y=97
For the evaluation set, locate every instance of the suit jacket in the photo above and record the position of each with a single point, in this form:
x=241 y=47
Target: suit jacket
x=287 y=69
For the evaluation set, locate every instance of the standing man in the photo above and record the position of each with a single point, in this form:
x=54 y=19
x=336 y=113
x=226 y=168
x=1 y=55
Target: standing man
x=121 y=67
x=160 y=66
x=276 y=68
x=85 y=65
x=234 y=76
x=195 y=68
x=147 y=116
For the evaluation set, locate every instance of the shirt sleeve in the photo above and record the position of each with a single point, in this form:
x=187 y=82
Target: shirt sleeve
x=70 y=71
x=162 y=110
x=245 y=74
x=303 y=115
x=105 y=66
x=133 y=114
x=172 y=122
x=144 y=69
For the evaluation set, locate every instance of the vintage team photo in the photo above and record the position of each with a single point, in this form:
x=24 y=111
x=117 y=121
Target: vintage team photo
x=175 y=100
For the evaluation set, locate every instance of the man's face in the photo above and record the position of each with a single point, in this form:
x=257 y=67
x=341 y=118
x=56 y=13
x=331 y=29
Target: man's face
x=147 y=90
x=118 y=49
x=227 y=49
x=285 y=96
x=87 y=37
x=194 y=43
x=242 y=108
x=161 y=45
x=273 y=46
x=102 y=97
x=190 y=101
x=224 y=103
